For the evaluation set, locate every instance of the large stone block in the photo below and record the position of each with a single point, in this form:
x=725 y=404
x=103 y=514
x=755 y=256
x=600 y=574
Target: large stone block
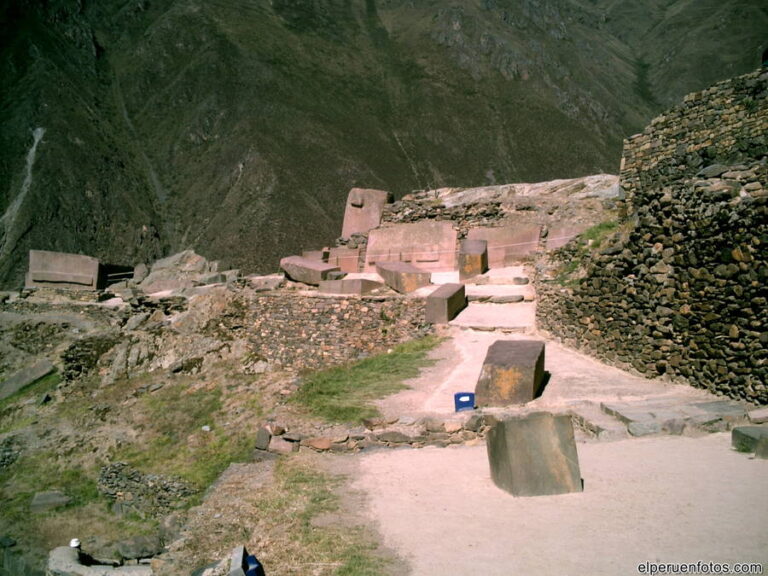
x=347 y=259
x=534 y=455
x=62 y=270
x=508 y=245
x=307 y=271
x=364 y=210
x=429 y=245
x=746 y=438
x=473 y=258
x=353 y=286
x=512 y=373
x=445 y=303
x=403 y=277
x=25 y=377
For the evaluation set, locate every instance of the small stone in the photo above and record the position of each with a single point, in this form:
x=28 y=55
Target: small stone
x=394 y=437
x=320 y=444
x=759 y=416
x=263 y=437
x=280 y=445
x=452 y=427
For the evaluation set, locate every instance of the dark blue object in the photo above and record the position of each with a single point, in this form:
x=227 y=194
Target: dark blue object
x=254 y=567
x=464 y=401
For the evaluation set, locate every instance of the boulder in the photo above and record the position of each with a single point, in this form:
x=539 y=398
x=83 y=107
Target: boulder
x=534 y=455
x=746 y=438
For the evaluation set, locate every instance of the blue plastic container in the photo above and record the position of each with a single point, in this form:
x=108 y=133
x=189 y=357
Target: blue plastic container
x=464 y=401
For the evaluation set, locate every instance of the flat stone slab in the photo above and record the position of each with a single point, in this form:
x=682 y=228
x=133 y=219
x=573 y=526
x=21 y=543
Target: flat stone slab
x=520 y=317
x=307 y=271
x=445 y=303
x=403 y=277
x=25 y=377
x=512 y=373
x=746 y=438
x=46 y=501
x=355 y=286
x=534 y=455
x=62 y=270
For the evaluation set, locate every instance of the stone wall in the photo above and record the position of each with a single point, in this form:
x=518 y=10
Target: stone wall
x=683 y=288
x=299 y=332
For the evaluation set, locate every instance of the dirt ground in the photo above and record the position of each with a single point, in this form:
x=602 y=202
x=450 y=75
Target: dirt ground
x=660 y=499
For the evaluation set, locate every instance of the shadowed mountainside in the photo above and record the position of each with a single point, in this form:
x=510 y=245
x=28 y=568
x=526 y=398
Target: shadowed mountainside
x=237 y=128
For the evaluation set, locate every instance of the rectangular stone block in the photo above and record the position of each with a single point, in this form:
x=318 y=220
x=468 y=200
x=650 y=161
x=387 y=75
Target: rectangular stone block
x=512 y=373
x=473 y=258
x=560 y=234
x=363 y=211
x=317 y=255
x=445 y=303
x=746 y=438
x=403 y=277
x=347 y=259
x=62 y=270
x=307 y=271
x=534 y=455
x=25 y=377
x=508 y=245
x=430 y=245
x=353 y=286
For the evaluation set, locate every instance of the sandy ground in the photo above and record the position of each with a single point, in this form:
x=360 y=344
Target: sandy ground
x=661 y=499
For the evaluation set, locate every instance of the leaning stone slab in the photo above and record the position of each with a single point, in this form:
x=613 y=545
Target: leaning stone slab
x=512 y=373
x=364 y=210
x=445 y=303
x=307 y=271
x=534 y=455
x=473 y=258
x=403 y=277
x=745 y=438
x=25 y=377
x=354 y=286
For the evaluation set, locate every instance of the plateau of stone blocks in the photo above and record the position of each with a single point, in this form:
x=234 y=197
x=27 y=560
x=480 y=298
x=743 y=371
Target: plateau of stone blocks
x=508 y=244
x=473 y=258
x=347 y=259
x=307 y=271
x=352 y=286
x=403 y=277
x=62 y=270
x=363 y=211
x=445 y=303
x=746 y=438
x=512 y=373
x=534 y=455
x=430 y=245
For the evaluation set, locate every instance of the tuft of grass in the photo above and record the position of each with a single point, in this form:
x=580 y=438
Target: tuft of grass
x=344 y=393
x=288 y=508
x=597 y=233
x=174 y=442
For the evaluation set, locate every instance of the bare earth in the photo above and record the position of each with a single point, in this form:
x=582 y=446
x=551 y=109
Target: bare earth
x=661 y=499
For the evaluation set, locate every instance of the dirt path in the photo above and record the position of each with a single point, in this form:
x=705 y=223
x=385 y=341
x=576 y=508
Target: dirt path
x=661 y=499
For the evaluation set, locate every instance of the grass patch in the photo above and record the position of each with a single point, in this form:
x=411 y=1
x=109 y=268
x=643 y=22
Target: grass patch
x=344 y=393
x=45 y=384
x=299 y=495
x=579 y=251
x=595 y=235
x=174 y=441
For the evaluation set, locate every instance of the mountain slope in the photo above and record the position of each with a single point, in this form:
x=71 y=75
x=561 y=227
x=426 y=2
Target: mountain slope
x=237 y=128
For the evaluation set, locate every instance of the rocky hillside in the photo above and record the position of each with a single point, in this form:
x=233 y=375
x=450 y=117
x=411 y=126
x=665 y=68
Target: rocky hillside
x=132 y=129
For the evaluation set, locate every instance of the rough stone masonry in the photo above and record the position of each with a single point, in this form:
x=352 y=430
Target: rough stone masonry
x=683 y=288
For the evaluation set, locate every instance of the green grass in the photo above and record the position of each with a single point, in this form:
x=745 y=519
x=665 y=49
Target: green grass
x=174 y=442
x=597 y=233
x=299 y=495
x=344 y=393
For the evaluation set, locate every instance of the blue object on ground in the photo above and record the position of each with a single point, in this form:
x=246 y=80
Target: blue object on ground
x=464 y=401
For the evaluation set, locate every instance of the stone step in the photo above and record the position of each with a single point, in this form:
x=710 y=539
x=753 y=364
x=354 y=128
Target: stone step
x=597 y=423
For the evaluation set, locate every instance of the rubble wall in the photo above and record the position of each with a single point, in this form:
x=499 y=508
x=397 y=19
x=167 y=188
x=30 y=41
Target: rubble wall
x=682 y=290
x=298 y=332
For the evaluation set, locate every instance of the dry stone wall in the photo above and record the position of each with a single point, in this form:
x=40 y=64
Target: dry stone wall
x=682 y=290
x=299 y=332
